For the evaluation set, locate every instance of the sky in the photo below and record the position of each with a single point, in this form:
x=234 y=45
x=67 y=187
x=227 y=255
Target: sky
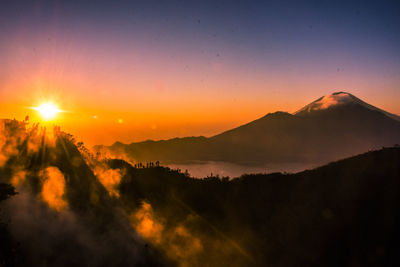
x=137 y=70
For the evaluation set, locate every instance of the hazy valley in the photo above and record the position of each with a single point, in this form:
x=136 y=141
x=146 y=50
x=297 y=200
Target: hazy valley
x=332 y=127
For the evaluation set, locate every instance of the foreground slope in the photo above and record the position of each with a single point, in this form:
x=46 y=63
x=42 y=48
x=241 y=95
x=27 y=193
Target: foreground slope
x=332 y=127
x=62 y=214
x=341 y=214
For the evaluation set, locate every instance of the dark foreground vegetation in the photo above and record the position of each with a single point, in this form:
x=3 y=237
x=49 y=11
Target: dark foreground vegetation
x=109 y=213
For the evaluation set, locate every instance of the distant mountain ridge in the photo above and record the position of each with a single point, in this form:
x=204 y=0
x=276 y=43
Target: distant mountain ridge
x=331 y=127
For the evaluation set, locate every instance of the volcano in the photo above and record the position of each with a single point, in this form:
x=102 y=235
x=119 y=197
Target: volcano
x=332 y=127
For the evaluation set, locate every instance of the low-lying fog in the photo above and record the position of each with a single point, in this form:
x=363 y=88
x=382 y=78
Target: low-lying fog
x=207 y=168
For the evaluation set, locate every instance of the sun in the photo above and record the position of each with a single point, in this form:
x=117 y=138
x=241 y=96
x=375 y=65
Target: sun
x=47 y=111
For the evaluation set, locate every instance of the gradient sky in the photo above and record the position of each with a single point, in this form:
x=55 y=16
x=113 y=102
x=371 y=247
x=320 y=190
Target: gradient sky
x=160 y=69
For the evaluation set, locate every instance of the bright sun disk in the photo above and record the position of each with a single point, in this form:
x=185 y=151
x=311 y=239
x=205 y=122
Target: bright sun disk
x=48 y=111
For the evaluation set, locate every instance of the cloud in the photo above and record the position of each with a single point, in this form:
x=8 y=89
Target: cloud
x=176 y=241
x=109 y=178
x=146 y=224
x=11 y=134
x=18 y=178
x=45 y=228
x=53 y=188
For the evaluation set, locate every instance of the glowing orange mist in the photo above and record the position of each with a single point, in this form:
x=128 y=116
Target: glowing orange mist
x=53 y=188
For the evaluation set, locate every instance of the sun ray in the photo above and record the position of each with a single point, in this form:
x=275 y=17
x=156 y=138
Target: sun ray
x=48 y=111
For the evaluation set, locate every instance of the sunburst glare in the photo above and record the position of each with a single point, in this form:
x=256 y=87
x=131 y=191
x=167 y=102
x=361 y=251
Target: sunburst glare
x=48 y=111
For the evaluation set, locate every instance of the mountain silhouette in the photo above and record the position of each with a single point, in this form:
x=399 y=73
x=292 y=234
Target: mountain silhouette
x=332 y=127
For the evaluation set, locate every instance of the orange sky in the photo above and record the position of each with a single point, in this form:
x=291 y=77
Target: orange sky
x=160 y=100
x=147 y=72
x=96 y=119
